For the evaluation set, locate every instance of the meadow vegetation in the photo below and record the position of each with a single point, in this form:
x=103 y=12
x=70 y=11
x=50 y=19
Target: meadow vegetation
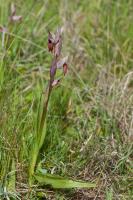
x=89 y=124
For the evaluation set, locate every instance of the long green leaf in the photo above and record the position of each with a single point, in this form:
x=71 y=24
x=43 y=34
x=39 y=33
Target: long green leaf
x=60 y=182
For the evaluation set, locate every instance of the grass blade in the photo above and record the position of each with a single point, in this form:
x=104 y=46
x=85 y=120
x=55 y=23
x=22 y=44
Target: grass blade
x=12 y=177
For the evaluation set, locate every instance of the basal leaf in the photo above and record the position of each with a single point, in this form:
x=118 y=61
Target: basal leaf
x=60 y=182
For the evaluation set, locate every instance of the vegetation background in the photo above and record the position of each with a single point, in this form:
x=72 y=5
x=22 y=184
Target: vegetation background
x=90 y=117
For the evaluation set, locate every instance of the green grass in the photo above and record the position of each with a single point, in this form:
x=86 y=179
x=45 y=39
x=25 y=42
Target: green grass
x=89 y=133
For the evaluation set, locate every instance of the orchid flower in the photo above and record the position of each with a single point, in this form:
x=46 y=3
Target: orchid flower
x=55 y=46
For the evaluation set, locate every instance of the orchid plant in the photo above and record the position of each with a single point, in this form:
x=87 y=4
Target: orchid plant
x=54 y=47
x=7 y=31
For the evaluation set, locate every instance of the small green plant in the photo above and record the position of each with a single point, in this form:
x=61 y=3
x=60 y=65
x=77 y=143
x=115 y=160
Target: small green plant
x=54 y=46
